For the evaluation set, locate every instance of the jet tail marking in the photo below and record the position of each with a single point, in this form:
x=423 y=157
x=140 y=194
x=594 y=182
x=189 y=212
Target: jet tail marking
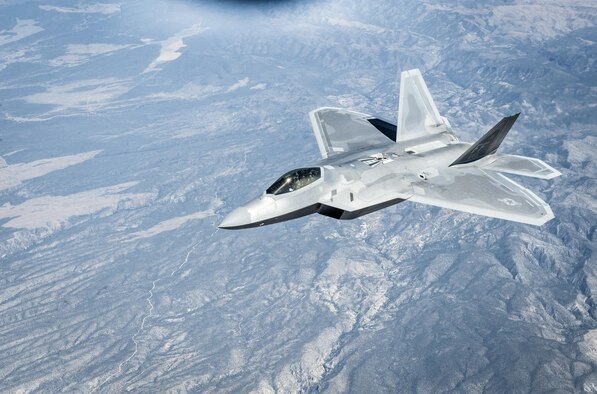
x=489 y=143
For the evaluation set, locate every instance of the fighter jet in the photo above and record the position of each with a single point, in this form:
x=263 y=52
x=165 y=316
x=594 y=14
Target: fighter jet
x=369 y=164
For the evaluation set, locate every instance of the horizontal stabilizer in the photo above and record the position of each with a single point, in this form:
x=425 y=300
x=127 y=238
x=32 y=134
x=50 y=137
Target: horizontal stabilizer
x=489 y=143
x=520 y=165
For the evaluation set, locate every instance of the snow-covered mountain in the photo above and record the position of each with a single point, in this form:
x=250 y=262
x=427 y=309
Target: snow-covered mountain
x=129 y=129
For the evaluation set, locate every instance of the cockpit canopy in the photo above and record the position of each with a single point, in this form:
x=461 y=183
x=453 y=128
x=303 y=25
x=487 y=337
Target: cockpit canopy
x=294 y=180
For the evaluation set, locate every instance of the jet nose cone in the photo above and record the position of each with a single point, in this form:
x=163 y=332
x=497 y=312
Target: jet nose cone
x=238 y=218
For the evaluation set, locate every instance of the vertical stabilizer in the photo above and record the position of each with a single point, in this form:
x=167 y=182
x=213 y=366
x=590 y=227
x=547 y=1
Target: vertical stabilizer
x=417 y=113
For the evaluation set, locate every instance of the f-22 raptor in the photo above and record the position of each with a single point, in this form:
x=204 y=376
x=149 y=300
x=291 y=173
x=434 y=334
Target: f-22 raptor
x=369 y=164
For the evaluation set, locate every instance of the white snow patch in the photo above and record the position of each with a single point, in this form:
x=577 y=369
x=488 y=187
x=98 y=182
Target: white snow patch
x=354 y=291
x=589 y=345
x=169 y=48
x=87 y=95
x=188 y=92
x=77 y=54
x=310 y=369
x=23 y=28
x=237 y=361
x=264 y=388
x=17 y=55
x=241 y=83
x=12 y=175
x=581 y=149
x=13 y=152
x=174 y=223
x=259 y=86
x=348 y=100
x=53 y=212
x=97 y=8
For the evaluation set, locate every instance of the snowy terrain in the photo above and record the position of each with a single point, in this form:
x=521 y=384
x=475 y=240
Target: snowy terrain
x=129 y=129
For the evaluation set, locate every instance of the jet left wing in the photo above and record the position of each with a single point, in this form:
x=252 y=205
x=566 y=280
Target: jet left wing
x=338 y=130
x=473 y=190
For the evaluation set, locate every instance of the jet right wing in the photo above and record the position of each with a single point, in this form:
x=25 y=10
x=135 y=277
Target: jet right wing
x=470 y=189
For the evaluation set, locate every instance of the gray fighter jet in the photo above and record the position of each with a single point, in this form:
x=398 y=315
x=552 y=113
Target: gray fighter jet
x=369 y=164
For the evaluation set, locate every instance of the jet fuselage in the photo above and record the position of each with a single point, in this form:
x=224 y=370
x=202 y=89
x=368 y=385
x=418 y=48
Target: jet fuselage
x=355 y=183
